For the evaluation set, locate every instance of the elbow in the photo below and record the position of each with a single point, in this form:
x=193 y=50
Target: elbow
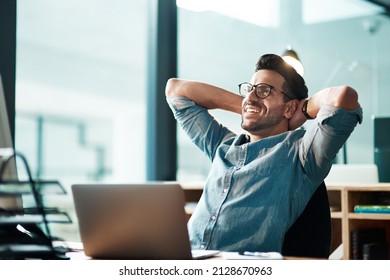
x=347 y=98
x=171 y=87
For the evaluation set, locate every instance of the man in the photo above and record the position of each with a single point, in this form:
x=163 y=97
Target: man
x=260 y=181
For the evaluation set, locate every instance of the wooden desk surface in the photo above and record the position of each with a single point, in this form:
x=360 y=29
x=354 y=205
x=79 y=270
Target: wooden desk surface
x=359 y=186
x=81 y=256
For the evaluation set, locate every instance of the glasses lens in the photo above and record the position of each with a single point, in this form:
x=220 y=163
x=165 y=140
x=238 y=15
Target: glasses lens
x=245 y=89
x=262 y=91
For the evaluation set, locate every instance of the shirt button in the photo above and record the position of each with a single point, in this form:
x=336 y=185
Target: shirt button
x=213 y=217
x=225 y=190
x=202 y=246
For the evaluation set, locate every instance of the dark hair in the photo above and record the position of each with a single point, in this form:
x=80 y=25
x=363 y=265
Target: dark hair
x=294 y=85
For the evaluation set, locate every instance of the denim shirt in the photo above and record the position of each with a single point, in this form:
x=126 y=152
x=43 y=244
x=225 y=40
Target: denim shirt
x=256 y=190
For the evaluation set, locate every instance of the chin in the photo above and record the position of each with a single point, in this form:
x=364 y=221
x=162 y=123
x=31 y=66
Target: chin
x=247 y=127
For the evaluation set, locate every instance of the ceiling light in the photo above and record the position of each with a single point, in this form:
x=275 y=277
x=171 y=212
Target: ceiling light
x=291 y=57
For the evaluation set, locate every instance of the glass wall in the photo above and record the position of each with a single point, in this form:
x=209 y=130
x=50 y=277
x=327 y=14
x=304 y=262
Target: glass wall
x=80 y=92
x=220 y=44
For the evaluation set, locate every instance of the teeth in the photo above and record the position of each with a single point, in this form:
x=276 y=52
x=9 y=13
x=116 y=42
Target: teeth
x=251 y=110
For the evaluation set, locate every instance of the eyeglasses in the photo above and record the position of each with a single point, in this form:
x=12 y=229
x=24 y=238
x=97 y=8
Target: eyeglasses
x=262 y=90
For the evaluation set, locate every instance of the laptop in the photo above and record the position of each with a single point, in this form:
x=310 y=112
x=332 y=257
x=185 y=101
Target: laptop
x=134 y=221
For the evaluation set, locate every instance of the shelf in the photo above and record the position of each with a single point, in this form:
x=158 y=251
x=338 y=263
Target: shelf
x=30 y=251
x=361 y=194
x=365 y=216
x=9 y=187
x=20 y=219
x=336 y=215
x=53 y=215
x=35 y=217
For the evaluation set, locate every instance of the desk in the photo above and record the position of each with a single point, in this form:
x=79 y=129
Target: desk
x=81 y=256
x=342 y=199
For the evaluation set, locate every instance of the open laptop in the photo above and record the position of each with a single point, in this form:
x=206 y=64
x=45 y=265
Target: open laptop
x=134 y=221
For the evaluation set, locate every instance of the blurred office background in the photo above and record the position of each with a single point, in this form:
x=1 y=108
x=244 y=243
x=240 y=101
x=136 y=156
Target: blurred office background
x=81 y=75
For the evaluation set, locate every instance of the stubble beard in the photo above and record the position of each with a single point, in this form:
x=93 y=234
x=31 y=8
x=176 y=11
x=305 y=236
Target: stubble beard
x=262 y=124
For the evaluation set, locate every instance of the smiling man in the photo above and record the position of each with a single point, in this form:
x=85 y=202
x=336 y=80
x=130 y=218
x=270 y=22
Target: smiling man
x=261 y=180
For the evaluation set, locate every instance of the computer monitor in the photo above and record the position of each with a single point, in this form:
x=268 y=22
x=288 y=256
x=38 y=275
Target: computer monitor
x=382 y=147
x=7 y=201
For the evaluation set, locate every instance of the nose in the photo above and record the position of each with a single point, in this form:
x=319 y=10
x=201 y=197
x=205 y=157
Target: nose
x=252 y=95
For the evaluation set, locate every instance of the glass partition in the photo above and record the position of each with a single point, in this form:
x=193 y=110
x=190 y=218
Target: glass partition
x=81 y=91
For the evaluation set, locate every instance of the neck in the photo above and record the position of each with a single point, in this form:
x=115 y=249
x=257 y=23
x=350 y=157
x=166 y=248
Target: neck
x=258 y=135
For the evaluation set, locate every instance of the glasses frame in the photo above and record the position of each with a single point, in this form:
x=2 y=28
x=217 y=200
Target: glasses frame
x=271 y=87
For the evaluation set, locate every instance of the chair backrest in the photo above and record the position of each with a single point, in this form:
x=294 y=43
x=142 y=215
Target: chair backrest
x=310 y=235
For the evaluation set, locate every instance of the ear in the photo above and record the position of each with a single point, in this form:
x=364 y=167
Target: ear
x=291 y=107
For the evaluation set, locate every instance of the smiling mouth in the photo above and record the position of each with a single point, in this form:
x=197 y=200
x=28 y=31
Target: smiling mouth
x=251 y=109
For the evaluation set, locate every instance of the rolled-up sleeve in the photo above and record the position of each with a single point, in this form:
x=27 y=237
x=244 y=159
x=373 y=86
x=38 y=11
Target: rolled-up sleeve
x=202 y=128
x=325 y=138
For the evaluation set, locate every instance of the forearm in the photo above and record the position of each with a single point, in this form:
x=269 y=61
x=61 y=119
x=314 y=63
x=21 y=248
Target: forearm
x=205 y=95
x=341 y=97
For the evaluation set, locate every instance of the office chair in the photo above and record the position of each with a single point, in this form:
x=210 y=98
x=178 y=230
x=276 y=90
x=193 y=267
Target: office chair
x=310 y=235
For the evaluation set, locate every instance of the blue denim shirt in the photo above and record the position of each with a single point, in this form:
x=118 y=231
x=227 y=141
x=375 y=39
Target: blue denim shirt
x=256 y=190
